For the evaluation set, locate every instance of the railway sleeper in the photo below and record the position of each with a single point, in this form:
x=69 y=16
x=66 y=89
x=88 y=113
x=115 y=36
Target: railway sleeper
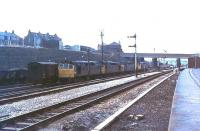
x=78 y=103
x=24 y=123
x=73 y=107
x=33 y=120
x=52 y=113
x=10 y=129
x=42 y=116
x=14 y=126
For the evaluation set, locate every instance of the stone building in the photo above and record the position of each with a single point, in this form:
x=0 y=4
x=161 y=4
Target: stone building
x=111 y=48
x=10 y=39
x=39 y=40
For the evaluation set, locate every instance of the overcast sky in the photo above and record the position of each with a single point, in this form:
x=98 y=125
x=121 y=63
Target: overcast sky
x=172 y=25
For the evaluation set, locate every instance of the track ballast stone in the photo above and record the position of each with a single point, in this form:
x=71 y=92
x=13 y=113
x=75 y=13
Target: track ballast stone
x=155 y=106
x=88 y=119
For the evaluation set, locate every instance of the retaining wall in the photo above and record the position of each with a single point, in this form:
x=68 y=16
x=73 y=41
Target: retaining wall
x=16 y=57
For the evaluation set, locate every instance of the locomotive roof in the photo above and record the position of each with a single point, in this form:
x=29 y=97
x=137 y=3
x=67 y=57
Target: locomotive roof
x=45 y=63
x=14 y=69
x=112 y=62
x=85 y=61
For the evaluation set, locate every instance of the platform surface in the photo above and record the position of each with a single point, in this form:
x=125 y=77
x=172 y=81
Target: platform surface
x=185 y=112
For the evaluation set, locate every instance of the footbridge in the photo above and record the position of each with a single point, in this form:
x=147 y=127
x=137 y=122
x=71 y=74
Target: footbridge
x=158 y=55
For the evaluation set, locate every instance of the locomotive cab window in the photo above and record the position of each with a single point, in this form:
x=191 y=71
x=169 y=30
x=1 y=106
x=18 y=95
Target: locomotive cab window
x=66 y=66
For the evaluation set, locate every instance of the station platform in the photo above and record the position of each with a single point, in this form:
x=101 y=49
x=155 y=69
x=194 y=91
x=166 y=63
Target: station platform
x=185 y=112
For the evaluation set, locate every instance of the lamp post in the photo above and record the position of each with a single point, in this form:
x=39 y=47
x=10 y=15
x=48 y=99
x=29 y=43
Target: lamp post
x=135 y=53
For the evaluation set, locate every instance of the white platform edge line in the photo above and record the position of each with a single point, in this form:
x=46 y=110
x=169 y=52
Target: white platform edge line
x=105 y=123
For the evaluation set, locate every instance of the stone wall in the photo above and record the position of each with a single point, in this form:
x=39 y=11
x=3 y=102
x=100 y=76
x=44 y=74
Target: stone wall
x=11 y=57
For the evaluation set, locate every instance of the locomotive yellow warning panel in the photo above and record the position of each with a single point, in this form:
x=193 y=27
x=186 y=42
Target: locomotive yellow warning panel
x=66 y=71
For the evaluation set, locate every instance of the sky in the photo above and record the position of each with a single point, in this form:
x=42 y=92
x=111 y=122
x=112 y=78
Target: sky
x=171 y=25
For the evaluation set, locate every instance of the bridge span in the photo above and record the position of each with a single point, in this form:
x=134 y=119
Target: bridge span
x=158 y=55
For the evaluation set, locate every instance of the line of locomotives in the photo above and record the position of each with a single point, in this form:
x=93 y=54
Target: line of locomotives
x=50 y=72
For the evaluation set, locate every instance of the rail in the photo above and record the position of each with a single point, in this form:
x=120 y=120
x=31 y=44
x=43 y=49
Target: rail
x=39 y=117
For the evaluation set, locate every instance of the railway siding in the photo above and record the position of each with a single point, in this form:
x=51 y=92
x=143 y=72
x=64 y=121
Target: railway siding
x=68 y=106
x=155 y=106
x=31 y=91
x=87 y=119
x=24 y=106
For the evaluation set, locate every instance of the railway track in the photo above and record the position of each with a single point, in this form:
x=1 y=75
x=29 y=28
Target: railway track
x=18 y=93
x=17 y=87
x=31 y=120
x=153 y=103
x=4 y=87
x=13 y=95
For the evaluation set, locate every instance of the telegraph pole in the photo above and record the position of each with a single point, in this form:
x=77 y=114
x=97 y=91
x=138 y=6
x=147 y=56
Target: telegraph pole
x=135 y=53
x=102 y=47
x=88 y=60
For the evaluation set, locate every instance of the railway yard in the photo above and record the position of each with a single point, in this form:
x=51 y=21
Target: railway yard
x=99 y=65
x=27 y=91
x=123 y=102
x=30 y=111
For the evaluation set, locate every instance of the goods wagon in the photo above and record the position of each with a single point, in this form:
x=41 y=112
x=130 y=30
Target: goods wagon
x=42 y=72
x=92 y=68
x=14 y=75
x=84 y=68
x=112 y=67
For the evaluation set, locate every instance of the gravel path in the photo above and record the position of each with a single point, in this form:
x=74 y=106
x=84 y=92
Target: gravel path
x=24 y=106
x=155 y=106
x=89 y=118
